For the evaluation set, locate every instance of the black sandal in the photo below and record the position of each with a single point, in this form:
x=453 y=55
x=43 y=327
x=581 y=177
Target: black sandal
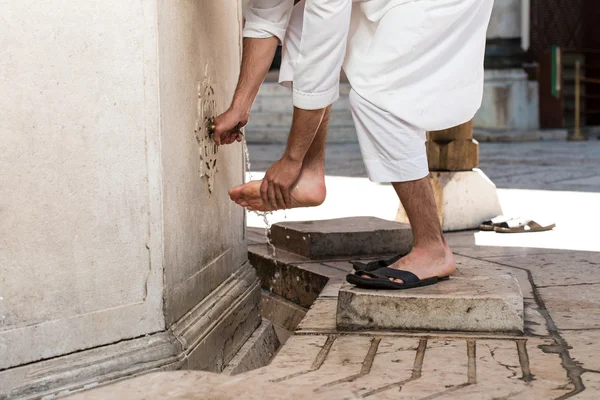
x=380 y=279
x=374 y=265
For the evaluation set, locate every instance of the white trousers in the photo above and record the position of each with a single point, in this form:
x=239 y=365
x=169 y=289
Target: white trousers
x=414 y=65
x=393 y=150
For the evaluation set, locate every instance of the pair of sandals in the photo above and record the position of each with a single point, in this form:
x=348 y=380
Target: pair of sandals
x=377 y=274
x=503 y=224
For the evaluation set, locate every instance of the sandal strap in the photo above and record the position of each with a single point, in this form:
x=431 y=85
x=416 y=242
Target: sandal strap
x=406 y=276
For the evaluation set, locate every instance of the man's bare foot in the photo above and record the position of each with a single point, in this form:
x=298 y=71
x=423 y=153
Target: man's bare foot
x=426 y=262
x=308 y=191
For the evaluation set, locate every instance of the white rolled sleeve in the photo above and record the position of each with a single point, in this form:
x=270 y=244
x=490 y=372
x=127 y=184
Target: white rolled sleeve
x=267 y=18
x=321 y=54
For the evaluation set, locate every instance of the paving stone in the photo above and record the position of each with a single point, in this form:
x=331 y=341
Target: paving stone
x=280 y=311
x=558 y=268
x=484 y=267
x=258 y=350
x=464 y=199
x=344 y=237
x=393 y=367
x=199 y=385
x=343 y=361
x=591 y=381
x=550 y=378
x=296 y=357
x=445 y=366
x=392 y=364
x=469 y=301
x=457 y=155
x=584 y=347
x=573 y=307
x=535 y=323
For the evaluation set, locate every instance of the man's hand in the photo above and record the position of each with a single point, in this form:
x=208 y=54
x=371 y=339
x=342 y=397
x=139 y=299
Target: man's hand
x=278 y=181
x=227 y=125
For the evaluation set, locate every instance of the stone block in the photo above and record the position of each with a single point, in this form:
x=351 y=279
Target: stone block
x=258 y=350
x=278 y=275
x=470 y=301
x=344 y=237
x=457 y=155
x=464 y=199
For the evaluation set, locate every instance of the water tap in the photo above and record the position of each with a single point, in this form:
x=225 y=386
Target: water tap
x=212 y=127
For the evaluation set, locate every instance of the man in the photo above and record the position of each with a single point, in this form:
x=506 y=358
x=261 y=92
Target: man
x=414 y=65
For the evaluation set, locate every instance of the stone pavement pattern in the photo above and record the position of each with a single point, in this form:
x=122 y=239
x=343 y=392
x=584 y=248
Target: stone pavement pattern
x=556 y=358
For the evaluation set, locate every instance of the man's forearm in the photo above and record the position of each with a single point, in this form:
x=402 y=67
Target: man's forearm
x=256 y=60
x=304 y=128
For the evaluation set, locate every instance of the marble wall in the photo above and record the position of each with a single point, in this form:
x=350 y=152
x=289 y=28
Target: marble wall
x=114 y=217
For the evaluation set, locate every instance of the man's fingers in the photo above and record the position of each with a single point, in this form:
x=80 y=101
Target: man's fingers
x=287 y=198
x=272 y=199
x=264 y=187
x=279 y=197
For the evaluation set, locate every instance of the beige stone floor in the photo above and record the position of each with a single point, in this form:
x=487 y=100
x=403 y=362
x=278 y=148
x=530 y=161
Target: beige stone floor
x=558 y=357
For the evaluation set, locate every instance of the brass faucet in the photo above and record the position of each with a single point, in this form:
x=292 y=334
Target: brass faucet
x=212 y=127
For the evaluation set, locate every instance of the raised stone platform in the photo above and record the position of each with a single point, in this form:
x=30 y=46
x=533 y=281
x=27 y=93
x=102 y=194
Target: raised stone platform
x=472 y=300
x=344 y=237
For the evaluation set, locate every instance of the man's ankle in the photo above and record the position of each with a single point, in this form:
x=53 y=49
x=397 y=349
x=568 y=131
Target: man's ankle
x=431 y=245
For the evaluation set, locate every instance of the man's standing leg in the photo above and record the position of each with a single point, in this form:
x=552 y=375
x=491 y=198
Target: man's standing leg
x=430 y=255
x=394 y=151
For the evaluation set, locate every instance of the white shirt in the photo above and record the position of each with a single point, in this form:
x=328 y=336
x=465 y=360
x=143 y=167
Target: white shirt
x=421 y=60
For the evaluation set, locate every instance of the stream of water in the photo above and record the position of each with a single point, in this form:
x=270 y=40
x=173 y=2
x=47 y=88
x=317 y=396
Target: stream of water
x=264 y=215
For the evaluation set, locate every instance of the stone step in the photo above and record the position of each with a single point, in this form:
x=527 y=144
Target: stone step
x=284 y=314
x=472 y=300
x=344 y=237
x=258 y=350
